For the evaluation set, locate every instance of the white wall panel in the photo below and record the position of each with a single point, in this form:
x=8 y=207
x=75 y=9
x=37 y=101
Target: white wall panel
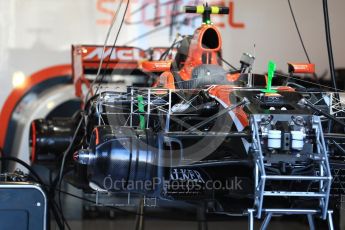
x=35 y=34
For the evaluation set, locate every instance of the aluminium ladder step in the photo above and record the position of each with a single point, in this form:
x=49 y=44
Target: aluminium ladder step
x=285 y=177
x=287 y=193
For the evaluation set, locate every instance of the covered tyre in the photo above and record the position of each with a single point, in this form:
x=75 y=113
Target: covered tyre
x=119 y=159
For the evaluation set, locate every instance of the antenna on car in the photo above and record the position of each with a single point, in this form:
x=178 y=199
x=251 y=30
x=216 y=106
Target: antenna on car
x=206 y=11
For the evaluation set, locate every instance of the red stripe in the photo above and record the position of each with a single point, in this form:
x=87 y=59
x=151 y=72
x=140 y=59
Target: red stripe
x=18 y=93
x=97 y=135
x=33 y=138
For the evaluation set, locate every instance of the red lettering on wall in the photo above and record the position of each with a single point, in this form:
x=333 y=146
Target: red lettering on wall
x=232 y=23
x=153 y=14
x=216 y=22
x=101 y=7
x=153 y=20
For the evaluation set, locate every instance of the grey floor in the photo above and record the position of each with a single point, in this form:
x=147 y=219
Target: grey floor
x=180 y=225
x=124 y=222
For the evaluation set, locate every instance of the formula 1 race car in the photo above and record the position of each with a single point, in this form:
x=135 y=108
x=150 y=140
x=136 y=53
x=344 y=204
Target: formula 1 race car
x=201 y=135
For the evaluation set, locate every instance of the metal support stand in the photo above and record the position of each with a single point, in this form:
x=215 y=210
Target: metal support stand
x=251 y=219
x=266 y=221
x=323 y=179
x=139 y=222
x=201 y=217
x=271 y=212
x=330 y=220
x=311 y=221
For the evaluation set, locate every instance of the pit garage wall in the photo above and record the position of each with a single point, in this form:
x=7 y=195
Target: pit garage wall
x=35 y=34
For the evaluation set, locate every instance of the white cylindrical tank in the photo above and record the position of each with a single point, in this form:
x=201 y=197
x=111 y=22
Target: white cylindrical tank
x=274 y=139
x=297 y=140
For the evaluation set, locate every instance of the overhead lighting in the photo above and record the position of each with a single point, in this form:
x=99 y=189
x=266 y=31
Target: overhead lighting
x=50 y=105
x=18 y=79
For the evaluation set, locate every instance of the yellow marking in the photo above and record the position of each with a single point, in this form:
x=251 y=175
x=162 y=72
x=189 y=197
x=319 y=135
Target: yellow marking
x=215 y=10
x=200 y=9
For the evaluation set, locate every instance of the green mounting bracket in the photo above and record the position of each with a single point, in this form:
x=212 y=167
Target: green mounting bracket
x=141 y=109
x=270 y=74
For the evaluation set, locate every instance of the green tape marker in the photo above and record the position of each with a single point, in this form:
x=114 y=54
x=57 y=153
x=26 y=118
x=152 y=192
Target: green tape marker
x=141 y=109
x=270 y=74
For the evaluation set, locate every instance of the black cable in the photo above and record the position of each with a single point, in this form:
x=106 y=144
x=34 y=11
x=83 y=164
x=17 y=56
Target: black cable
x=166 y=52
x=156 y=20
x=60 y=175
x=226 y=62
x=67 y=151
x=289 y=77
x=173 y=18
x=81 y=119
x=37 y=178
x=301 y=39
x=57 y=211
x=140 y=9
x=329 y=44
x=298 y=31
x=313 y=107
x=330 y=54
x=58 y=215
x=98 y=73
x=309 y=82
x=28 y=167
x=103 y=50
x=52 y=189
x=113 y=47
x=89 y=91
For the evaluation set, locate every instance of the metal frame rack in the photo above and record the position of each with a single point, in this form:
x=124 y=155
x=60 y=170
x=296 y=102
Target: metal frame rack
x=154 y=101
x=324 y=180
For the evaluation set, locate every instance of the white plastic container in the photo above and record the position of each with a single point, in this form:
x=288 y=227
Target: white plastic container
x=274 y=139
x=297 y=140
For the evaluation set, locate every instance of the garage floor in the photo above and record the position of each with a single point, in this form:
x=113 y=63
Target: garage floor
x=181 y=225
x=125 y=222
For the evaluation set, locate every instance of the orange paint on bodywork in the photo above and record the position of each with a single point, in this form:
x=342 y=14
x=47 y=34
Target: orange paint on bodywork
x=196 y=51
x=18 y=93
x=223 y=93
